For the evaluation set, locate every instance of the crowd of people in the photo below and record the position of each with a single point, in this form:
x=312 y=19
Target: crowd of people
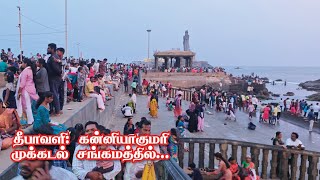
x=36 y=88
x=193 y=70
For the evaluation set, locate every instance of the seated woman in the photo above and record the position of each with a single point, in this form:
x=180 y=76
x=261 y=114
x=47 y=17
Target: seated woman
x=9 y=123
x=234 y=168
x=224 y=168
x=42 y=123
x=9 y=120
x=249 y=166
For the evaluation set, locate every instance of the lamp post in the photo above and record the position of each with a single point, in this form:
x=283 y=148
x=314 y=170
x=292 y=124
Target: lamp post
x=149 y=30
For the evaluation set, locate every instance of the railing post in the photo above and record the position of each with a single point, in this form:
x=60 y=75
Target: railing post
x=313 y=171
x=243 y=153
x=303 y=166
x=201 y=155
x=284 y=165
x=274 y=171
x=181 y=153
x=211 y=155
x=191 y=153
x=294 y=158
x=224 y=150
x=255 y=157
x=265 y=163
x=234 y=152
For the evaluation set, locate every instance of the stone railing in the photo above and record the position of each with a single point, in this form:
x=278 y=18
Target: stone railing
x=303 y=164
x=186 y=93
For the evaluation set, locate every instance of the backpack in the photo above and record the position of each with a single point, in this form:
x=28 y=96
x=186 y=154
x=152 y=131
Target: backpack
x=242 y=173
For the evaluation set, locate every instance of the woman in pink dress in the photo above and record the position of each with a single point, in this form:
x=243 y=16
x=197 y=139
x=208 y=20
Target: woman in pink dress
x=26 y=95
x=266 y=113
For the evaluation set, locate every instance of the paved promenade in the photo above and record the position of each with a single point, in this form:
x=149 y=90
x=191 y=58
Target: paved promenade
x=214 y=125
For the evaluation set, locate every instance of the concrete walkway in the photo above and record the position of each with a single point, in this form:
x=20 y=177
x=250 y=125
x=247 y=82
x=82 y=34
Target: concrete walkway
x=214 y=125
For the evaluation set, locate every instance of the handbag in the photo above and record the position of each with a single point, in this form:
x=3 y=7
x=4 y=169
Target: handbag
x=149 y=172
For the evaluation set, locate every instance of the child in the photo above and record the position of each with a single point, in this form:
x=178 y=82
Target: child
x=81 y=80
x=170 y=106
x=168 y=102
x=8 y=95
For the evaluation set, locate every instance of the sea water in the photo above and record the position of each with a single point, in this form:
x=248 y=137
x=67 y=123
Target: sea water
x=292 y=75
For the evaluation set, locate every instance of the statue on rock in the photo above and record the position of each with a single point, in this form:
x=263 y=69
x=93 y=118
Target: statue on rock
x=186 y=46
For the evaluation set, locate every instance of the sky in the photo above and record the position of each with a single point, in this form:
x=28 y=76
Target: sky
x=222 y=32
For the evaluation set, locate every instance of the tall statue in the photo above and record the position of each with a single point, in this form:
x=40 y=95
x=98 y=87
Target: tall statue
x=186 y=46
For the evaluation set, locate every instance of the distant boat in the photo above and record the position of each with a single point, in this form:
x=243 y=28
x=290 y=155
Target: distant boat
x=237 y=68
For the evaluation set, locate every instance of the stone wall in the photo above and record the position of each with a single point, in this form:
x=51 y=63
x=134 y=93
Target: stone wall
x=80 y=113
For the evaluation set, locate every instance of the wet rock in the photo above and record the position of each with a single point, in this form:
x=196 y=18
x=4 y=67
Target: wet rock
x=314 y=97
x=289 y=94
x=311 y=85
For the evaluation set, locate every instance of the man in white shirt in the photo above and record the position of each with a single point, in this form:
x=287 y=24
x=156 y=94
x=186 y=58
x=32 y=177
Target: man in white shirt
x=127 y=111
x=134 y=171
x=255 y=102
x=294 y=142
x=37 y=169
x=96 y=67
x=316 y=109
x=83 y=169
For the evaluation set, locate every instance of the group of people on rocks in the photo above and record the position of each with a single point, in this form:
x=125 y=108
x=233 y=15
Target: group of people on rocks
x=301 y=108
x=193 y=70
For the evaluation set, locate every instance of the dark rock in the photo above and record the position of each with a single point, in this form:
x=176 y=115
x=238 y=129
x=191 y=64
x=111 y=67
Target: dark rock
x=289 y=94
x=314 y=97
x=278 y=80
x=276 y=95
x=311 y=85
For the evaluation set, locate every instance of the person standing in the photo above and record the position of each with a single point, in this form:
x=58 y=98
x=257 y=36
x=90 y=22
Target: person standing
x=42 y=82
x=126 y=84
x=81 y=79
x=311 y=119
x=54 y=74
x=10 y=55
x=316 y=109
x=251 y=110
x=26 y=94
x=178 y=106
x=134 y=100
x=255 y=102
x=60 y=53
x=4 y=55
x=200 y=113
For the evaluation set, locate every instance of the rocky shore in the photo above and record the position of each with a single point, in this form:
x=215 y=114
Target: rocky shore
x=312 y=86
